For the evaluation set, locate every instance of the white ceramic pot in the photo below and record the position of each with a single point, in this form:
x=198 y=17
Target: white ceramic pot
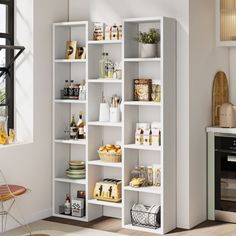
x=148 y=50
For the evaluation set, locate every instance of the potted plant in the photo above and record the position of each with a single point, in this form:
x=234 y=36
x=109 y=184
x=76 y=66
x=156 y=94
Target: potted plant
x=148 y=42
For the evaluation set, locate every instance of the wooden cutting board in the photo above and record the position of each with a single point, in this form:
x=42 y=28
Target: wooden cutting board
x=220 y=95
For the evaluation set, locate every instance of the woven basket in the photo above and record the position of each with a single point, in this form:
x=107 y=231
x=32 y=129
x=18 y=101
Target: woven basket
x=109 y=157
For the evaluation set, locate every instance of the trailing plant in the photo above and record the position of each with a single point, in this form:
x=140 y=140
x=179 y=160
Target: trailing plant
x=150 y=37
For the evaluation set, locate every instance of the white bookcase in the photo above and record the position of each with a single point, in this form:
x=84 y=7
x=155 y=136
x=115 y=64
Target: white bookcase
x=99 y=133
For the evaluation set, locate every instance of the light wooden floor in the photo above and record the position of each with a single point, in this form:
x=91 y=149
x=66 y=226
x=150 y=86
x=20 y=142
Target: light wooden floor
x=207 y=228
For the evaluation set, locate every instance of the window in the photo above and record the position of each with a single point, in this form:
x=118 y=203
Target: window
x=7 y=81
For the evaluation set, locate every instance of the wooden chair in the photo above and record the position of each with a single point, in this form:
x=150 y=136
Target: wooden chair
x=8 y=195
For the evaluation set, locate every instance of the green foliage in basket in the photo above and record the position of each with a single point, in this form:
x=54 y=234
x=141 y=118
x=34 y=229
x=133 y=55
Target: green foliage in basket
x=150 y=37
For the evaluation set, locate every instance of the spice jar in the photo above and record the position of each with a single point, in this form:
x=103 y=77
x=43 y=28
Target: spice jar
x=135 y=173
x=150 y=175
x=157 y=175
x=143 y=175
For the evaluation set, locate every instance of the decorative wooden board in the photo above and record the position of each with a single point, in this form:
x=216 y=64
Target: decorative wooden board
x=220 y=95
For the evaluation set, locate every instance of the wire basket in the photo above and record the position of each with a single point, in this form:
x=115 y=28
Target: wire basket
x=145 y=219
x=109 y=157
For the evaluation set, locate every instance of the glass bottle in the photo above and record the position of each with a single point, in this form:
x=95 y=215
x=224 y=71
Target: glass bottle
x=67 y=208
x=110 y=70
x=71 y=89
x=80 y=127
x=135 y=173
x=143 y=175
x=106 y=66
x=66 y=89
x=150 y=175
x=73 y=128
x=102 y=66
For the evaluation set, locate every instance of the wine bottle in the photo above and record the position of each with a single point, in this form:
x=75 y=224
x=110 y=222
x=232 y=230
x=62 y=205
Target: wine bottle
x=67 y=207
x=73 y=128
x=80 y=127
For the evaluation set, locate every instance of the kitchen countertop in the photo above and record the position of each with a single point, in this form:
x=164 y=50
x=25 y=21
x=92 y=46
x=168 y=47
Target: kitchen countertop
x=221 y=130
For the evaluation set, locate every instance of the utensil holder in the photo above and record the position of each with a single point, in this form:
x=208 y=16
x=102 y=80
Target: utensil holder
x=115 y=114
x=104 y=113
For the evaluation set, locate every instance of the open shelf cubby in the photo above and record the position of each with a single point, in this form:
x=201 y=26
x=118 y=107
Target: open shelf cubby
x=126 y=52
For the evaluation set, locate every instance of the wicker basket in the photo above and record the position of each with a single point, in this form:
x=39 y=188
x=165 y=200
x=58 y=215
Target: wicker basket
x=109 y=157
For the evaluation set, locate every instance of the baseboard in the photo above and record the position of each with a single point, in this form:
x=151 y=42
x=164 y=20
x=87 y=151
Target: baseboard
x=40 y=215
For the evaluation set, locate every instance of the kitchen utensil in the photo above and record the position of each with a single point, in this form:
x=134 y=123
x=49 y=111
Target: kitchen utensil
x=220 y=95
x=227 y=115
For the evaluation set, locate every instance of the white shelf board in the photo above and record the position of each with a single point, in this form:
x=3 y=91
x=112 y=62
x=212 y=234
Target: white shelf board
x=143 y=147
x=104 y=203
x=151 y=189
x=141 y=103
x=103 y=163
x=143 y=19
x=71 y=23
x=71 y=217
x=156 y=231
x=70 y=141
x=70 y=60
x=142 y=59
x=71 y=181
x=104 y=42
x=109 y=124
x=100 y=80
x=74 y=101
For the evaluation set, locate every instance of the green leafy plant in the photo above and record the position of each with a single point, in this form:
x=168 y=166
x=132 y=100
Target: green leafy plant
x=150 y=37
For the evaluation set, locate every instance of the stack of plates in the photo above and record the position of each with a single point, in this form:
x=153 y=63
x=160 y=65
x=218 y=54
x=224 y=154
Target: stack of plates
x=76 y=170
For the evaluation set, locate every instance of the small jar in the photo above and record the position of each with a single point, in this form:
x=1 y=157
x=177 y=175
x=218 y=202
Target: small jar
x=143 y=175
x=135 y=173
x=150 y=175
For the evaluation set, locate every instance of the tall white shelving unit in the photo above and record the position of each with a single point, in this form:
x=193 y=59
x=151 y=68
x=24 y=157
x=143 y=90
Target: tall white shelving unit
x=98 y=133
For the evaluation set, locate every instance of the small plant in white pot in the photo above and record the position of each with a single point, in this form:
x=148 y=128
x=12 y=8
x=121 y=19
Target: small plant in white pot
x=149 y=42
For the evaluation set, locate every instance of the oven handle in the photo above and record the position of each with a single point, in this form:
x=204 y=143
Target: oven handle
x=233 y=152
x=231 y=158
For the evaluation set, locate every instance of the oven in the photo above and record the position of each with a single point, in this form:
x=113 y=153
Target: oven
x=225 y=178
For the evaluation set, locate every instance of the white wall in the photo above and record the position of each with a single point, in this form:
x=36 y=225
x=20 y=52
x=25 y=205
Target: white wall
x=30 y=164
x=205 y=60
x=111 y=11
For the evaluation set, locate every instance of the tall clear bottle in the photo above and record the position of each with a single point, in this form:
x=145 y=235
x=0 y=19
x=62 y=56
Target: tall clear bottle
x=102 y=66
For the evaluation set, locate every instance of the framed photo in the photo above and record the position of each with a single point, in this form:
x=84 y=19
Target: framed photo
x=71 y=47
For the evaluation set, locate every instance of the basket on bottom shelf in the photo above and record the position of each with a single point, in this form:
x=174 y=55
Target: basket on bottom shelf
x=145 y=216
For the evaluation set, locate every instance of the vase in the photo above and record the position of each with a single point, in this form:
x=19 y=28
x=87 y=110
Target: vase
x=148 y=50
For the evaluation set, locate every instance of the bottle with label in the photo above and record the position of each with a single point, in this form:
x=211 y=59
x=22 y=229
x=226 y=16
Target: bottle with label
x=80 y=127
x=102 y=66
x=106 y=66
x=67 y=207
x=120 y=32
x=66 y=89
x=108 y=32
x=110 y=70
x=73 y=128
x=71 y=90
x=114 y=32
